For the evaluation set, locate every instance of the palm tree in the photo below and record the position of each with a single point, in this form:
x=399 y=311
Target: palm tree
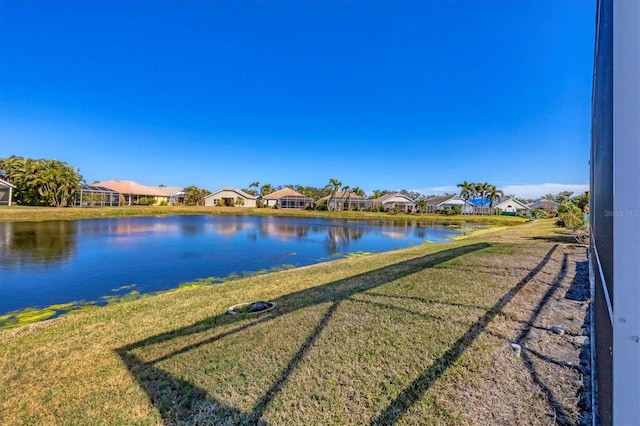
x=466 y=189
x=255 y=185
x=377 y=193
x=358 y=191
x=483 y=189
x=476 y=190
x=334 y=185
x=347 y=188
x=494 y=194
x=266 y=189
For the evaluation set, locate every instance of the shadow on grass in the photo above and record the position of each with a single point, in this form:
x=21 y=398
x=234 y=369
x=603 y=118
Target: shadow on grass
x=179 y=401
x=414 y=392
x=557 y=238
x=557 y=406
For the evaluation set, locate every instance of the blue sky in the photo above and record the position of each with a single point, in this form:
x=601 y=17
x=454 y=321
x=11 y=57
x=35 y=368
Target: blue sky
x=416 y=95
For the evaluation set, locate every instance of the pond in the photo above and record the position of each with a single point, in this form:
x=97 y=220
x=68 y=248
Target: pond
x=56 y=262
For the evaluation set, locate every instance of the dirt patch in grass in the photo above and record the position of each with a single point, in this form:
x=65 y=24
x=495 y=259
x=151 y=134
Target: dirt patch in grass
x=416 y=336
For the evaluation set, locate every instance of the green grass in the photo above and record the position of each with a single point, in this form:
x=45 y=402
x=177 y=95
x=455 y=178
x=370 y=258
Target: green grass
x=23 y=213
x=374 y=339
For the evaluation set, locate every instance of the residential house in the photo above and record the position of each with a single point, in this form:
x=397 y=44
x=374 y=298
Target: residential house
x=481 y=205
x=131 y=193
x=345 y=200
x=512 y=207
x=549 y=206
x=174 y=194
x=442 y=202
x=393 y=200
x=230 y=197
x=6 y=192
x=287 y=198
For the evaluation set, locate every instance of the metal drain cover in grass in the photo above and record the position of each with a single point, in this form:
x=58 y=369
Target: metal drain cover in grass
x=251 y=308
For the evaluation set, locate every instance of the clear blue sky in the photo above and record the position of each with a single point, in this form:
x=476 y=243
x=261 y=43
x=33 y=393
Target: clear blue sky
x=415 y=95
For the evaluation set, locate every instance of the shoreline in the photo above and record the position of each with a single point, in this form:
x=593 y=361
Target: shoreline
x=35 y=214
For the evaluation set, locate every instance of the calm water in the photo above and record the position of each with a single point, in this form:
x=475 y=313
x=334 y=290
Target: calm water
x=63 y=261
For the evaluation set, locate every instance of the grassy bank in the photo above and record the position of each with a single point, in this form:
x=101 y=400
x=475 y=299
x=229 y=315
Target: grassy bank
x=22 y=213
x=416 y=336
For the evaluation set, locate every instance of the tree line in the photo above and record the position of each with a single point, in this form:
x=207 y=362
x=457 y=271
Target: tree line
x=41 y=182
x=51 y=182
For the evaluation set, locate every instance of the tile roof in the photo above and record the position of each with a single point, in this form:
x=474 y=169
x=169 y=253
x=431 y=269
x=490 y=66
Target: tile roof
x=232 y=189
x=130 y=187
x=168 y=190
x=434 y=201
x=512 y=200
x=385 y=197
x=544 y=204
x=284 y=192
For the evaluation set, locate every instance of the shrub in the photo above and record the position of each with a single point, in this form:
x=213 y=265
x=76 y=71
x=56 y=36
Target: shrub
x=145 y=201
x=569 y=216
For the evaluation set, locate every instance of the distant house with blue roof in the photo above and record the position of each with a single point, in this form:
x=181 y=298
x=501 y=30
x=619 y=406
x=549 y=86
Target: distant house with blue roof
x=481 y=205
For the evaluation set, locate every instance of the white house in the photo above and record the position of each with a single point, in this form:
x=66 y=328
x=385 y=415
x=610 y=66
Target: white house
x=437 y=204
x=230 y=197
x=287 y=198
x=511 y=206
x=401 y=201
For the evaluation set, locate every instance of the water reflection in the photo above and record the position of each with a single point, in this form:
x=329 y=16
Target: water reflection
x=43 y=263
x=338 y=239
x=26 y=243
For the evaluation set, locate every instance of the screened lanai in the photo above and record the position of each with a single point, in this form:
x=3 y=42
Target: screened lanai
x=97 y=196
x=287 y=198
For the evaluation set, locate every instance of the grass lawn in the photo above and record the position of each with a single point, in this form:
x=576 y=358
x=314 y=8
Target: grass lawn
x=415 y=336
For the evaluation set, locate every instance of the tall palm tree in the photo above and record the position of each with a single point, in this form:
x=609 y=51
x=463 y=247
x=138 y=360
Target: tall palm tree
x=377 y=193
x=476 y=190
x=483 y=189
x=334 y=184
x=358 y=191
x=266 y=189
x=494 y=194
x=255 y=185
x=347 y=188
x=465 y=190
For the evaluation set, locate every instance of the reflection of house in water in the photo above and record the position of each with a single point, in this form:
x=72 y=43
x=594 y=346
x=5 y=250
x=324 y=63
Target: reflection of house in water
x=284 y=231
x=29 y=243
x=227 y=229
x=141 y=228
x=339 y=237
x=394 y=235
